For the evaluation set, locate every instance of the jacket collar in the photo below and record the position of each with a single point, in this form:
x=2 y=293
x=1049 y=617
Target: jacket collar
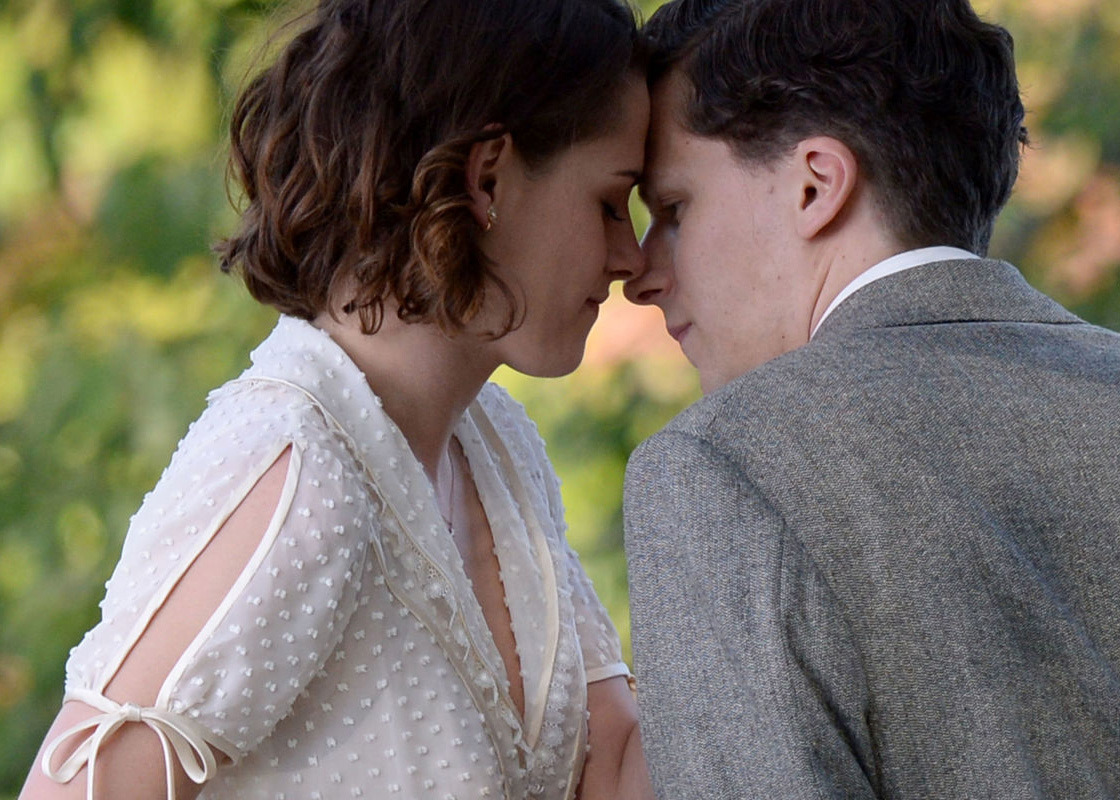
x=968 y=290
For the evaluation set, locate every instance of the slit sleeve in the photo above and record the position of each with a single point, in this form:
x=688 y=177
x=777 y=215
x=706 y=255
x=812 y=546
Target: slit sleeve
x=274 y=629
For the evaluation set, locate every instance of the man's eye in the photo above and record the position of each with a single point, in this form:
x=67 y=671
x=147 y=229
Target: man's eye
x=668 y=212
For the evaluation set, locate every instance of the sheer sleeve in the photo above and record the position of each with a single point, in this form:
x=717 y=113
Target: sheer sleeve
x=275 y=626
x=598 y=637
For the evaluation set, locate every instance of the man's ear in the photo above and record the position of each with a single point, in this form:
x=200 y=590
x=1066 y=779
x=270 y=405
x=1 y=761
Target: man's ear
x=486 y=162
x=828 y=171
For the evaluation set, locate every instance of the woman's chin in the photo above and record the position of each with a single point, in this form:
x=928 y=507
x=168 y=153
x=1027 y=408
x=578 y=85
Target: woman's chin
x=549 y=364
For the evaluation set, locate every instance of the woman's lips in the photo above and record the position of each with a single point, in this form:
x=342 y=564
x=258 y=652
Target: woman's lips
x=678 y=331
x=595 y=302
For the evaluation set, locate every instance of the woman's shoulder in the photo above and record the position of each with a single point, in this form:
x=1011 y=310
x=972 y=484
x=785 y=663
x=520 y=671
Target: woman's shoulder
x=248 y=418
x=245 y=428
x=263 y=407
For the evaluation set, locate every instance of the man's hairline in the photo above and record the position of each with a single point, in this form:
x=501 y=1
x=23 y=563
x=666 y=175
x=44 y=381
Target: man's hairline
x=680 y=114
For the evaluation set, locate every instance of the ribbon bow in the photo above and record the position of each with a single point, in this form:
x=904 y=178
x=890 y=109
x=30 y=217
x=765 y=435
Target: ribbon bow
x=189 y=742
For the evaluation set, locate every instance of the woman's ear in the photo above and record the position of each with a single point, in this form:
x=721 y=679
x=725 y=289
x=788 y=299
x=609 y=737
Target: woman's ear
x=486 y=162
x=828 y=172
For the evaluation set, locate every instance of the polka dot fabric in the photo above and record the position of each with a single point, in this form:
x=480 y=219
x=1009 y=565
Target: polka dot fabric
x=351 y=658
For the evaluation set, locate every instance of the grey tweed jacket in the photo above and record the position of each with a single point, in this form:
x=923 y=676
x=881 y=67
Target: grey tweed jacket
x=887 y=564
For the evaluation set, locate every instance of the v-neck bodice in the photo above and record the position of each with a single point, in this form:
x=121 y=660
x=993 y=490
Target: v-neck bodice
x=525 y=561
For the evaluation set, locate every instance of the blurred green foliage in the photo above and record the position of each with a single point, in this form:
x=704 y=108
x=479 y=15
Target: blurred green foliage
x=114 y=321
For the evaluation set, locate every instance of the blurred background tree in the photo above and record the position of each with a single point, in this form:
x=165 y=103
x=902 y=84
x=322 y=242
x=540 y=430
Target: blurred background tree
x=114 y=321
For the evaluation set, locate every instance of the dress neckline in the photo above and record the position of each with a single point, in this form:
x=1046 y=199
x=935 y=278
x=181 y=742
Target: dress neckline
x=422 y=564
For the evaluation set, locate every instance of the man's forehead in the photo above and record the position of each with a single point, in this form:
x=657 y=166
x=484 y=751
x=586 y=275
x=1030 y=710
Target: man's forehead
x=668 y=101
x=667 y=133
x=656 y=174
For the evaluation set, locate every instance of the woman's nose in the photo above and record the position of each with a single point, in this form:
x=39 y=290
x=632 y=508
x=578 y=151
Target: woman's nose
x=647 y=286
x=628 y=261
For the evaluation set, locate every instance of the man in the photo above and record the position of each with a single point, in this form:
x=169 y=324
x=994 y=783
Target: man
x=881 y=557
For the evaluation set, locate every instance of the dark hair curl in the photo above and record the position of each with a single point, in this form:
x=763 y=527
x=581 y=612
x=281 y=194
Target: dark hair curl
x=351 y=147
x=923 y=91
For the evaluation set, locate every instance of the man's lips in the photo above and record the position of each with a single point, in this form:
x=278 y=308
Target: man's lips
x=678 y=331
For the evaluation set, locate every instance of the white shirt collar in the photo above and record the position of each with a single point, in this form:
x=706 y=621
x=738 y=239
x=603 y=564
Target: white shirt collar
x=896 y=263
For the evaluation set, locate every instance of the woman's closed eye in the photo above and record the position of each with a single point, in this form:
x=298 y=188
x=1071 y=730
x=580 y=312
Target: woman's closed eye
x=612 y=211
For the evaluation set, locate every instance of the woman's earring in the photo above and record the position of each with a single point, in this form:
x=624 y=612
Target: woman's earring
x=491 y=218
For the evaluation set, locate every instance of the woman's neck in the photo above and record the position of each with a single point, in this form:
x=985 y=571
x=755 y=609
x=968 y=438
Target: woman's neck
x=424 y=378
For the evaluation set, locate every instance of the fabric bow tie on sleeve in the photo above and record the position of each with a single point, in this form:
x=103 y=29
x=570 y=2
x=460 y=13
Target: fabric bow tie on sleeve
x=181 y=738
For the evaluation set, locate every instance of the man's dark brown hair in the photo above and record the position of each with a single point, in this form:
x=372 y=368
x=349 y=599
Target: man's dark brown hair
x=923 y=92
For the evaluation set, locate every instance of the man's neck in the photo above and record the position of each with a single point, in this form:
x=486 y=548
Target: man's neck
x=896 y=262
x=842 y=261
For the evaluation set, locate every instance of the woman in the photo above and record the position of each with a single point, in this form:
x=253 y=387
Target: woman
x=352 y=579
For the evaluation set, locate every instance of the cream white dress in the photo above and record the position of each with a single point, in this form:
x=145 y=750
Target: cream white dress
x=351 y=657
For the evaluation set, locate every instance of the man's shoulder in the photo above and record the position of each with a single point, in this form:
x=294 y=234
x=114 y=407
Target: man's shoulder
x=778 y=392
x=841 y=388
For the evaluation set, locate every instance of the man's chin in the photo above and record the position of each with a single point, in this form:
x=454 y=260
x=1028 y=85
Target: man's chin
x=714 y=379
x=710 y=382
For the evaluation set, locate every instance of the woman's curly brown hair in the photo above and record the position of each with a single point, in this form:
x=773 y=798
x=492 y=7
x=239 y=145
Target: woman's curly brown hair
x=351 y=148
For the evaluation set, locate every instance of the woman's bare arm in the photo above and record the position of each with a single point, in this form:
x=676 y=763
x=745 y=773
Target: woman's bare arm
x=616 y=767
